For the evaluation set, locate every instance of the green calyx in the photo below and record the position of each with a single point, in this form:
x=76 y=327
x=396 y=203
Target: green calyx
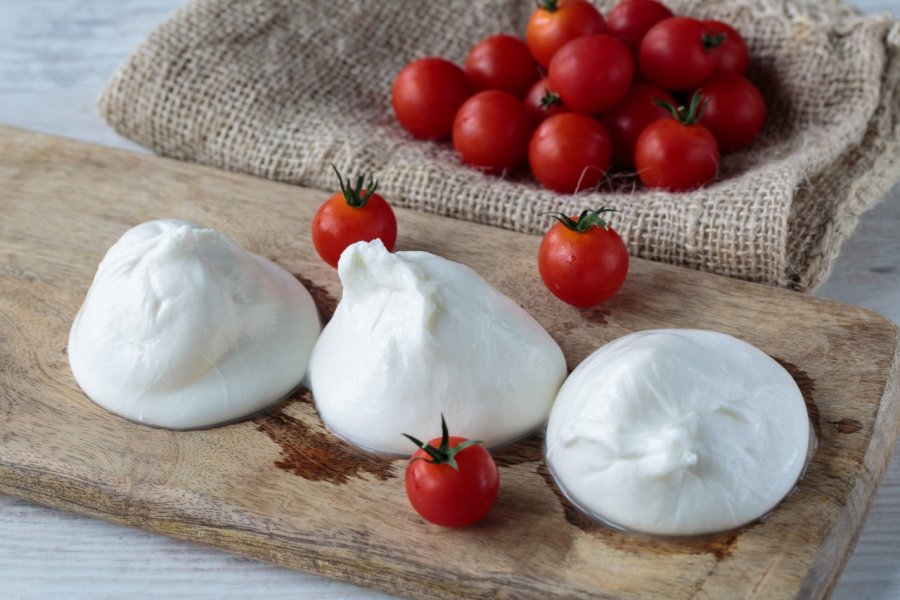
x=354 y=195
x=589 y=218
x=443 y=454
x=548 y=5
x=549 y=100
x=711 y=41
x=689 y=115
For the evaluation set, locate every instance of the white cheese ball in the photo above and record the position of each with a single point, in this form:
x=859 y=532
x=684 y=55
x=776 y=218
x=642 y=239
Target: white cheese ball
x=182 y=329
x=678 y=432
x=415 y=336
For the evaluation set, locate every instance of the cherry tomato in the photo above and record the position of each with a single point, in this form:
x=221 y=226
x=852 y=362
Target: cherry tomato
x=734 y=57
x=628 y=118
x=557 y=22
x=502 y=62
x=629 y=20
x=679 y=53
x=569 y=152
x=735 y=111
x=542 y=102
x=352 y=215
x=451 y=481
x=426 y=95
x=591 y=74
x=491 y=131
x=582 y=260
x=677 y=154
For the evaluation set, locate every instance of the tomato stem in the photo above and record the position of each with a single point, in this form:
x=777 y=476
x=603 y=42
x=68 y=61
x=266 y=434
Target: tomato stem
x=711 y=41
x=689 y=115
x=355 y=196
x=443 y=454
x=549 y=100
x=588 y=218
x=548 y=5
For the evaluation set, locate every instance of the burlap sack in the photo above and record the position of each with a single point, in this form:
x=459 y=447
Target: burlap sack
x=281 y=89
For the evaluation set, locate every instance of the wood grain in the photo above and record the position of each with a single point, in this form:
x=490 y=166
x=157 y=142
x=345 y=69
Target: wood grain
x=246 y=487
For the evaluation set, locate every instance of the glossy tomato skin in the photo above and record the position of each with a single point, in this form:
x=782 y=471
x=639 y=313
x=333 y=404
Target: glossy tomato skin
x=450 y=498
x=534 y=97
x=672 y=54
x=626 y=120
x=548 y=31
x=592 y=74
x=569 y=152
x=336 y=225
x=629 y=20
x=491 y=131
x=734 y=57
x=676 y=157
x=426 y=95
x=735 y=111
x=582 y=268
x=502 y=62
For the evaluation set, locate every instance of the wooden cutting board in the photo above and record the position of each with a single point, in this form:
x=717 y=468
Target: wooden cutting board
x=280 y=488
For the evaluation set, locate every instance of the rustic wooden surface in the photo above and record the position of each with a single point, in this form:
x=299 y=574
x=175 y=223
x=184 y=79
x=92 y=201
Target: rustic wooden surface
x=280 y=488
x=55 y=56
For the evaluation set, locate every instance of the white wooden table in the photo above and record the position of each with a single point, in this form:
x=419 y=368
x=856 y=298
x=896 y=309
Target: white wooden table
x=55 y=57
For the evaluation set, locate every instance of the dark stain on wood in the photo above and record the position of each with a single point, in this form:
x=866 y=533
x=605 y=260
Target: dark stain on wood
x=315 y=454
x=807 y=387
x=325 y=302
x=847 y=425
x=597 y=315
x=720 y=545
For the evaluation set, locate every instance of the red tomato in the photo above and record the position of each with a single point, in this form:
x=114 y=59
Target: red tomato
x=591 y=74
x=569 y=152
x=734 y=57
x=582 y=260
x=426 y=95
x=629 y=20
x=735 y=111
x=628 y=118
x=491 y=131
x=542 y=102
x=352 y=215
x=679 y=53
x=502 y=62
x=677 y=154
x=557 y=22
x=451 y=481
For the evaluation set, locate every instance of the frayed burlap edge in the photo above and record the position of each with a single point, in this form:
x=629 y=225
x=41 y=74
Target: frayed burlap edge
x=872 y=168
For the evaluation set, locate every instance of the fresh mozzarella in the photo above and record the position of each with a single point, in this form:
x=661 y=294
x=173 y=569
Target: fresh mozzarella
x=182 y=328
x=415 y=336
x=678 y=432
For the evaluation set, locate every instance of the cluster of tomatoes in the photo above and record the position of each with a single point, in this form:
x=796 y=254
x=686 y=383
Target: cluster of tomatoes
x=641 y=88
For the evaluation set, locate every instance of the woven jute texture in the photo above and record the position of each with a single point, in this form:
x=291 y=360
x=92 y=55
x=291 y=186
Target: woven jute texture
x=282 y=89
